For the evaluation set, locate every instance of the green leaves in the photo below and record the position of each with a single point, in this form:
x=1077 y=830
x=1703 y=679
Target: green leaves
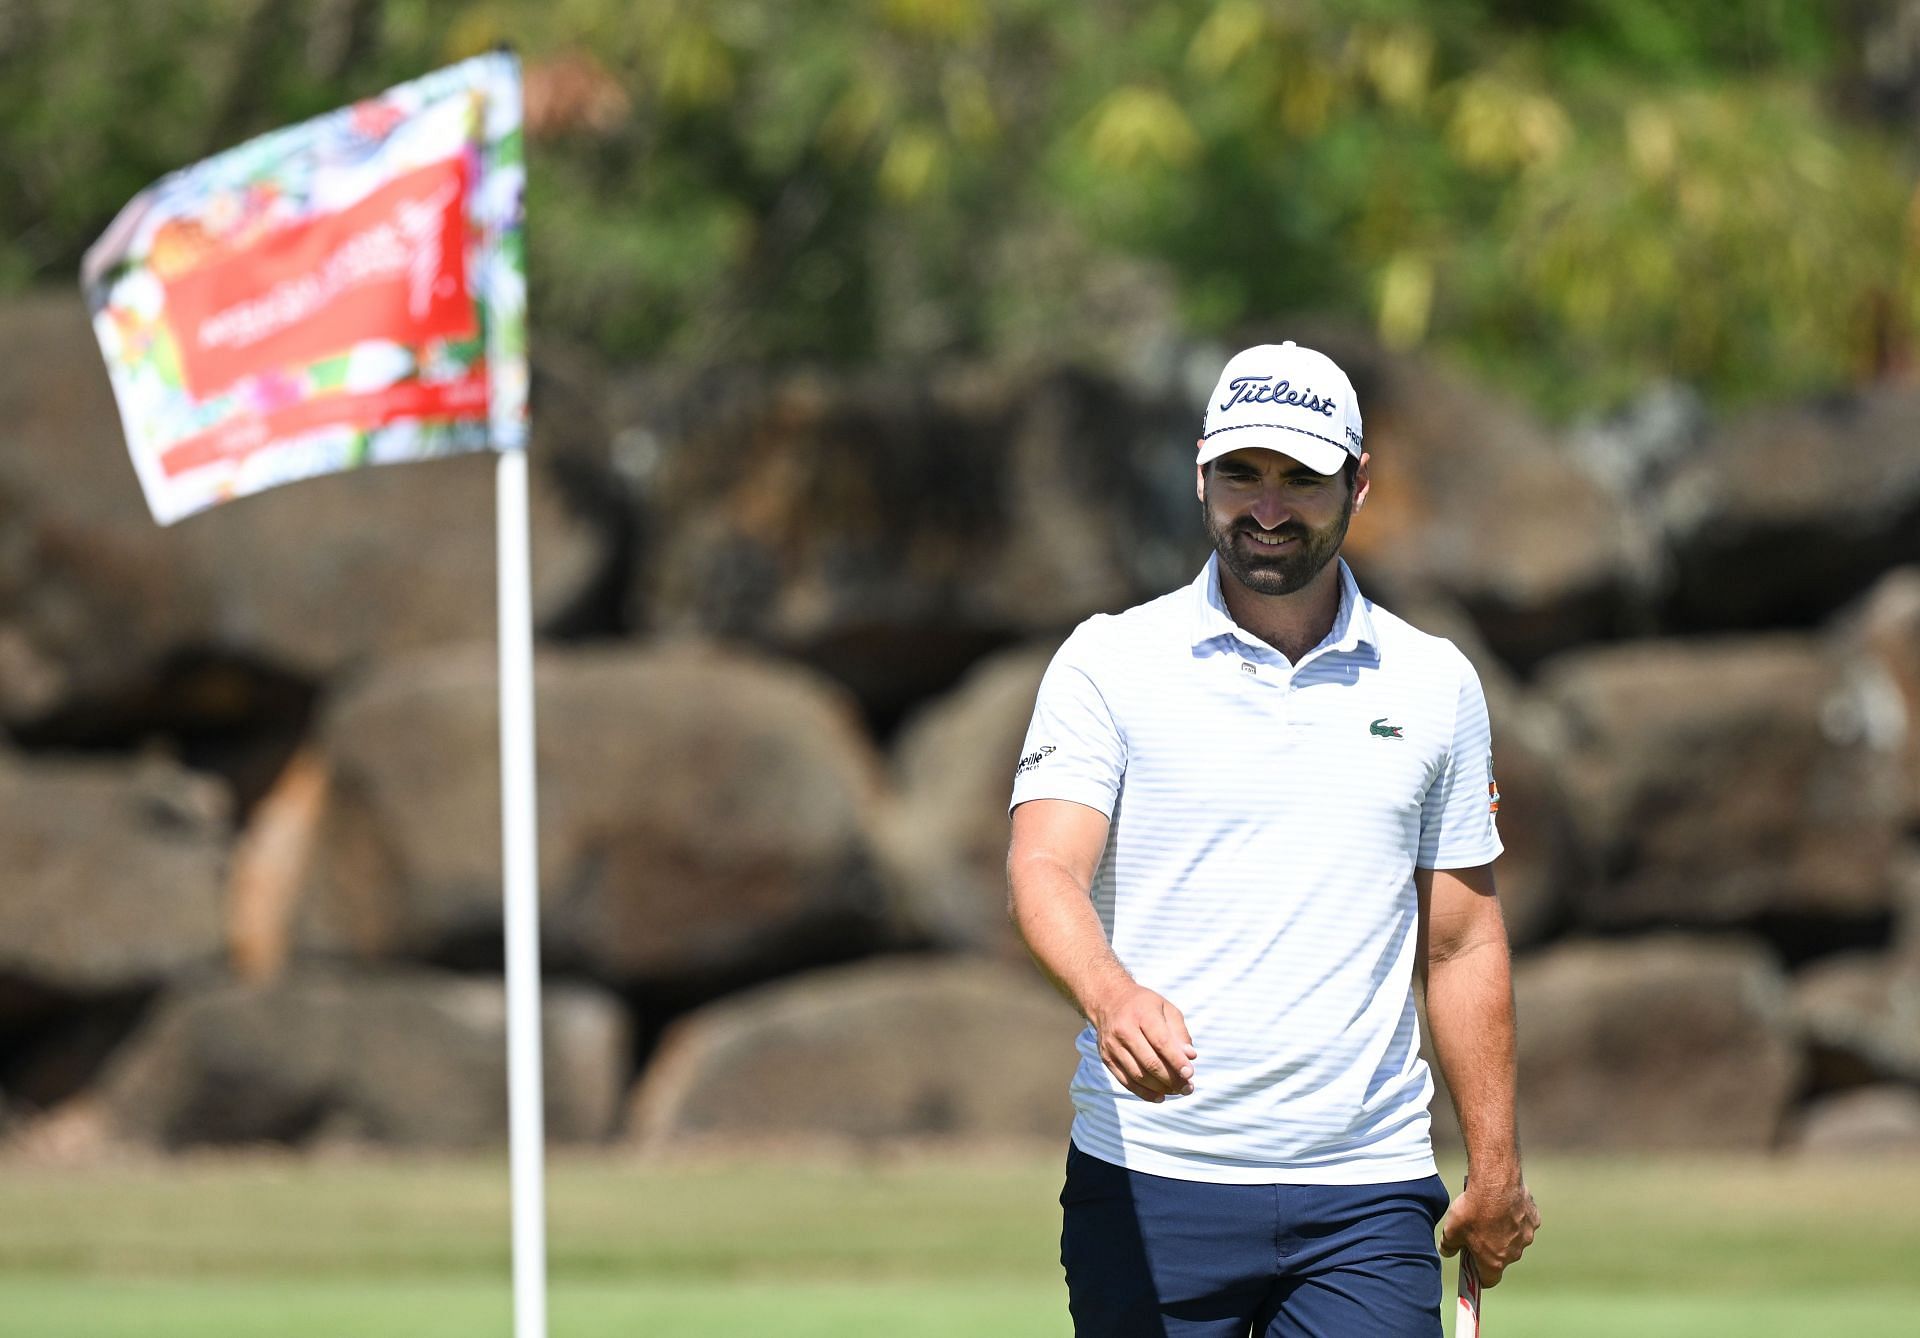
x=1575 y=202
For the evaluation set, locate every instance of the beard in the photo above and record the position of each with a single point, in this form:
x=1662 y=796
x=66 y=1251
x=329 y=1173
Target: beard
x=1286 y=571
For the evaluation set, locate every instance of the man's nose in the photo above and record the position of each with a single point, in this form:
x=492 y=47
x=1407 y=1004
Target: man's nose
x=1270 y=508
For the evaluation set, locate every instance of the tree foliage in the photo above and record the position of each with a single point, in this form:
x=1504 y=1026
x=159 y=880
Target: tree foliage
x=1576 y=197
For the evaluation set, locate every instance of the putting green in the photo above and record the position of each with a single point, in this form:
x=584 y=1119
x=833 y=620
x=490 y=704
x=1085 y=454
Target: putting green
x=940 y=1246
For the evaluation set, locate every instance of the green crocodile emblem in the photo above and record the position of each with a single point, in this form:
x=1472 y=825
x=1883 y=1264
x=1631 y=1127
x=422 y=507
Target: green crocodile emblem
x=1381 y=729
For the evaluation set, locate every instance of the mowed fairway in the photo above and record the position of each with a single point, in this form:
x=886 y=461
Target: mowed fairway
x=934 y=1245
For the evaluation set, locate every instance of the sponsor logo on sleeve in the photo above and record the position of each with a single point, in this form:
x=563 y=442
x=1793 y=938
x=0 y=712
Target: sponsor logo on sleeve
x=1033 y=759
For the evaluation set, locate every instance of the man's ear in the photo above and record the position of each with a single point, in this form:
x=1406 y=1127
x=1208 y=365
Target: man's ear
x=1199 y=478
x=1362 y=480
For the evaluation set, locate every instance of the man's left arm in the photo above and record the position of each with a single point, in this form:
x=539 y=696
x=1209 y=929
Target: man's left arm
x=1467 y=971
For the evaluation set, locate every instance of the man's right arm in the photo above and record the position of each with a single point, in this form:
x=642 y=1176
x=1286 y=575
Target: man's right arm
x=1056 y=849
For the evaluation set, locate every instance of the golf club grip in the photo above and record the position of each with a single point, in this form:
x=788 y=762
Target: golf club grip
x=1466 y=1316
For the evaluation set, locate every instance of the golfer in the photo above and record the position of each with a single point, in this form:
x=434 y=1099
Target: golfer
x=1248 y=817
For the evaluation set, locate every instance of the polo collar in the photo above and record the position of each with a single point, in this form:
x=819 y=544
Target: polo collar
x=1352 y=624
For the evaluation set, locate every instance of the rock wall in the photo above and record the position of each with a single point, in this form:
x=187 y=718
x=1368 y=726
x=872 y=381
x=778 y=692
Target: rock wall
x=792 y=623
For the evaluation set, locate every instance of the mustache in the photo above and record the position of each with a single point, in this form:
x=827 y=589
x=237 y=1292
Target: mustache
x=1284 y=532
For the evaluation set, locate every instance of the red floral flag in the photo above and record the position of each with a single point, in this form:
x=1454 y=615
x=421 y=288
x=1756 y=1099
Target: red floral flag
x=347 y=291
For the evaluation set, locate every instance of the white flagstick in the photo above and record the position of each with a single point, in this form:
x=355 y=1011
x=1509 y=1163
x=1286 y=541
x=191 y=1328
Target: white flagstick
x=1466 y=1314
x=520 y=852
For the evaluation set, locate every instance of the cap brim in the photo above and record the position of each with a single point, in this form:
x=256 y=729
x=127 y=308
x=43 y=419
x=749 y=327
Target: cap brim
x=1319 y=454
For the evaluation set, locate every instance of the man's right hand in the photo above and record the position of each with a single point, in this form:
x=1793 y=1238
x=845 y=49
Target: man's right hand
x=1144 y=1043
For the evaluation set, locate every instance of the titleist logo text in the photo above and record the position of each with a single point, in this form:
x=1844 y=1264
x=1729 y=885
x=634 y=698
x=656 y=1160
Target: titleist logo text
x=1265 y=390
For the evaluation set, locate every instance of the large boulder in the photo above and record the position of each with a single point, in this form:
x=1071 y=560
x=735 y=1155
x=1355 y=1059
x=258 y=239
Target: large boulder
x=95 y=598
x=417 y=1059
x=1725 y=780
x=1875 y=1121
x=886 y=1049
x=890 y=530
x=114 y=875
x=1475 y=499
x=1545 y=868
x=1860 y=1014
x=1657 y=1044
x=945 y=834
x=704 y=817
x=1785 y=515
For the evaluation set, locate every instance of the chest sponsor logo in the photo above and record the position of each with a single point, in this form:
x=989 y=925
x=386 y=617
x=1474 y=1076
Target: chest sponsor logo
x=1033 y=759
x=1380 y=729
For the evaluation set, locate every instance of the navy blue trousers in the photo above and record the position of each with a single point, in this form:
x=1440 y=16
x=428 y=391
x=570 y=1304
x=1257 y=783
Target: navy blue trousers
x=1151 y=1257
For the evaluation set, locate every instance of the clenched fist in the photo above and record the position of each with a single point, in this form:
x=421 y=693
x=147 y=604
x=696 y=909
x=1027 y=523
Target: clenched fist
x=1144 y=1043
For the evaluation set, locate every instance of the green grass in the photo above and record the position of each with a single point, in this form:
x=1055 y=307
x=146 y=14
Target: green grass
x=935 y=1246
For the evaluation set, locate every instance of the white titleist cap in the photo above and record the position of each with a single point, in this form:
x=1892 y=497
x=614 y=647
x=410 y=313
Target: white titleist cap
x=1281 y=397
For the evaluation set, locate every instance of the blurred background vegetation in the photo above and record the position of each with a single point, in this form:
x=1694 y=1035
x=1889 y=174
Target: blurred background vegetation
x=1574 y=198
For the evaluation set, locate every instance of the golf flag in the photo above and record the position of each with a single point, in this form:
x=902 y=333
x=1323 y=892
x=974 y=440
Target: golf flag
x=346 y=291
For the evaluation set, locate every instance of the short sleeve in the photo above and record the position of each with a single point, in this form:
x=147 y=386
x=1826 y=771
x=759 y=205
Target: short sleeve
x=1457 y=826
x=1074 y=748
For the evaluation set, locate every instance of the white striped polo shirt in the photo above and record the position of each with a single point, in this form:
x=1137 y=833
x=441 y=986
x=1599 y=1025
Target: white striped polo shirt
x=1266 y=820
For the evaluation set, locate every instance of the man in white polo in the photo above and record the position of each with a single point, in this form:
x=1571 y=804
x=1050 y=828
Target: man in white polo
x=1248 y=816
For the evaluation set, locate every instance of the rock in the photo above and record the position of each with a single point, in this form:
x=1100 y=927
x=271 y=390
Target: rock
x=1545 y=869
x=54 y=1055
x=309 y=578
x=1906 y=907
x=271 y=863
x=886 y=1049
x=1637 y=447
x=945 y=835
x=1882 y=642
x=1474 y=499
x=76 y=1134
x=1665 y=1043
x=1881 y=75
x=705 y=817
x=412 y=1058
x=890 y=531
x=1721 y=781
x=114 y=873
x=1868 y=1121
x=1860 y=1014
x=1786 y=515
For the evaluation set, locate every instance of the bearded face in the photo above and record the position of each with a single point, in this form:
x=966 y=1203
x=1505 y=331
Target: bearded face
x=1275 y=523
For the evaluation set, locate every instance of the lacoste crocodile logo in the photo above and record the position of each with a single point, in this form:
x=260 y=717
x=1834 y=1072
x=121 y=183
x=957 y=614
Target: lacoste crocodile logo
x=1380 y=729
